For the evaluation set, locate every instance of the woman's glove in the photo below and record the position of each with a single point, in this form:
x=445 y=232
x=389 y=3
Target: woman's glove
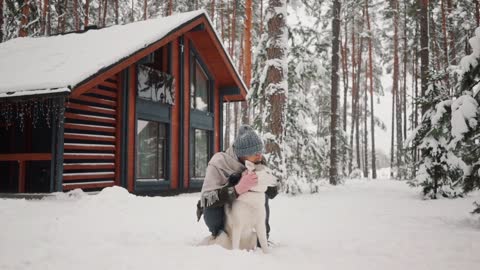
x=247 y=181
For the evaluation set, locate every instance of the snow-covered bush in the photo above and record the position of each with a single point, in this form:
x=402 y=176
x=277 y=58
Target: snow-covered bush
x=449 y=135
x=438 y=169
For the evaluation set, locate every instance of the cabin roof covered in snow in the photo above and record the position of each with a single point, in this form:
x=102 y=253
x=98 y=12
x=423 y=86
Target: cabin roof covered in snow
x=32 y=66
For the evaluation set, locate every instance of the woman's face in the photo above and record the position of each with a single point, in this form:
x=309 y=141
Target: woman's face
x=257 y=158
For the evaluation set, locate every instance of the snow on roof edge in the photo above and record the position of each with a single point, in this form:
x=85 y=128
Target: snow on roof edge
x=34 y=92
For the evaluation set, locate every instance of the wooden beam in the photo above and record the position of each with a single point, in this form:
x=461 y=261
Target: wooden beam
x=96 y=100
x=91 y=118
x=118 y=134
x=174 y=181
x=216 y=119
x=93 y=147
x=186 y=112
x=89 y=137
x=85 y=176
x=87 y=166
x=99 y=92
x=90 y=127
x=92 y=185
x=132 y=75
x=89 y=108
x=60 y=131
x=79 y=156
x=109 y=84
x=25 y=157
x=21 y=176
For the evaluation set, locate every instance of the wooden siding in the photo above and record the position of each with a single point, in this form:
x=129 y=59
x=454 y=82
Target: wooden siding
x=91 y=156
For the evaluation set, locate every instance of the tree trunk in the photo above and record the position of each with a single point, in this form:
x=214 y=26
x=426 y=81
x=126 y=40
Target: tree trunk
x=350 y=164
x=415 y=95
x=424 y=48
x=105 y=7
x=145 y=3
x=222 y=21
x=75 y=15
x=477 y=12
x=247 y=55
x=99 y=19
x=357 y=102
x=343 y=50
x=24 y=21
x=365 y=125
x=334 y=92
x=62 y=14
x=170 y=7
x=445 y=43
x=405 y=59
x=45 y=8
x=261 y=17
x=117 y=19
x=434 y=43
x=212 y=10
x=392 y=144
x=1 y=21
x=396 y=68
x=345 y=77
x=453 y=52
x=87 y=8
x=370 y=75
x=233 y=30
x=276 y=83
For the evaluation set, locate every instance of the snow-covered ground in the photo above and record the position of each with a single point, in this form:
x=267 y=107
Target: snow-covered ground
x=361 y=225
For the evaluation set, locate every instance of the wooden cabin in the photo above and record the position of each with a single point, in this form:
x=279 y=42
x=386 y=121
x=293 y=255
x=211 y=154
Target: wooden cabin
x=136 y=105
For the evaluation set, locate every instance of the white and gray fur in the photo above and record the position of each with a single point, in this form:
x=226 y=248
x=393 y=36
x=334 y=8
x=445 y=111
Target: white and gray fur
x=245 y=218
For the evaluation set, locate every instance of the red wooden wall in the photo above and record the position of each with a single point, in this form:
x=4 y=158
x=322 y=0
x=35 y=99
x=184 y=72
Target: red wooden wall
x=92 y=137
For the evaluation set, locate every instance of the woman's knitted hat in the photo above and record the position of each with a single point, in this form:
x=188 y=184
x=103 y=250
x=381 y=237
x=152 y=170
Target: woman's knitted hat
x=247 y=142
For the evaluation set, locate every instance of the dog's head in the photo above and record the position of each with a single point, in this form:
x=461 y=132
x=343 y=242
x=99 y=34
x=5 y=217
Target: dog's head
x=265 y=175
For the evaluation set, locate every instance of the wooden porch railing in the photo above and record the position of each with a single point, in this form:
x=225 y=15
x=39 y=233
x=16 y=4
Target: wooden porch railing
x=21 y=158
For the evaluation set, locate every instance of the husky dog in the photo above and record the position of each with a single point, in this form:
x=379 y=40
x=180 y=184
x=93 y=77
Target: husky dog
x=245 y=217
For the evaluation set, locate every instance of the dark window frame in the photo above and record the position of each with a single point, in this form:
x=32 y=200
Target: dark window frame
x=200 y=120
x=193 y=152
x=196 y=61
x=166 y=151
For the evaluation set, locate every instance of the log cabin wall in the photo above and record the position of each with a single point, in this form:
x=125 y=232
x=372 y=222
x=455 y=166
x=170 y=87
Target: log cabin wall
x=91 y=157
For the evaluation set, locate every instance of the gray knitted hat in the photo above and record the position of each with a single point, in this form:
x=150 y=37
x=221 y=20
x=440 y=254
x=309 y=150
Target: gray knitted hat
x=247 y=143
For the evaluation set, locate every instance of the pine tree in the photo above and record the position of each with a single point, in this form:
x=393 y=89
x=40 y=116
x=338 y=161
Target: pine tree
x=466 y=115
x=276 y=85
x=25 y=19
x=439 y=169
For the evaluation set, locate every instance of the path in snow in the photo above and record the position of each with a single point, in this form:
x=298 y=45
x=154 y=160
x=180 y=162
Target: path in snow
x=362 y=225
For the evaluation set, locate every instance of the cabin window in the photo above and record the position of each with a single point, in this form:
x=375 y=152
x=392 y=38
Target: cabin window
x=201 y=152
x=151 y=150
x=200 y=86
